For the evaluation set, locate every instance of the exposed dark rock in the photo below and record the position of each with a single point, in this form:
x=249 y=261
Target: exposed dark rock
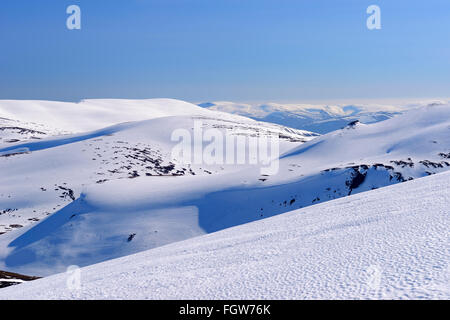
x=66 y=193
x=428 y=164
x=357 y=178
x=9 y=278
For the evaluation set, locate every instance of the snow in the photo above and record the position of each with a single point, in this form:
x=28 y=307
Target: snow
x=420 y=133
x=12 y=280
x=320 y=118
x=76 y=199
x=390 y=243
x=93 y=114
x=49 y=180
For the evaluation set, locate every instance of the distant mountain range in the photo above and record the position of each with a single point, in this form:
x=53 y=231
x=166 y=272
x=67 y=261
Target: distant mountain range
x=316 y=118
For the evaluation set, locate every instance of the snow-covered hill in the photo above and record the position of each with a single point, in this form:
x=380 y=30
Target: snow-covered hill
x=28 y=120
x=94 y=114
x=116 y=191
x=316 y=118
x=44 y=170
x=41 y=174
x=391 y=243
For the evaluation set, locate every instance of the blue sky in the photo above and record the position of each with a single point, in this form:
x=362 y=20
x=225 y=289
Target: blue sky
x=241 y=50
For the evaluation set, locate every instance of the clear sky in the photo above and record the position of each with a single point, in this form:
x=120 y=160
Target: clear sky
x=238 y=50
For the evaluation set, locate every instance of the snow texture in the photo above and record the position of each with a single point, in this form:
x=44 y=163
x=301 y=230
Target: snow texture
x=87 y=197
x=391 y=243
x=316 y=117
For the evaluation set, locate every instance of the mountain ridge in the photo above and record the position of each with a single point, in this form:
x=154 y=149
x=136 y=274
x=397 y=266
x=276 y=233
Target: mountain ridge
x=314 y=117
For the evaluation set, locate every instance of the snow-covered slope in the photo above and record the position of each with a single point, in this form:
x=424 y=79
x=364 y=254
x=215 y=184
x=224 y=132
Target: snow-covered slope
x=47 y=176
x=96 y=212
x=87 y=154
x=94 y=114
x=28 y=120
x=42 y=175
x=316 y=118
x=13 y=131
x=391 y=243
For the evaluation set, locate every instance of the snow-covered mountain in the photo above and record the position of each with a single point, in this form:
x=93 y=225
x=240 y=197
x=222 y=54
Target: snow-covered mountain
x=95 y=114
x=67 y=161
x=390 y=243
x=42 y=174
x=116 y=191
x=316 y=118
